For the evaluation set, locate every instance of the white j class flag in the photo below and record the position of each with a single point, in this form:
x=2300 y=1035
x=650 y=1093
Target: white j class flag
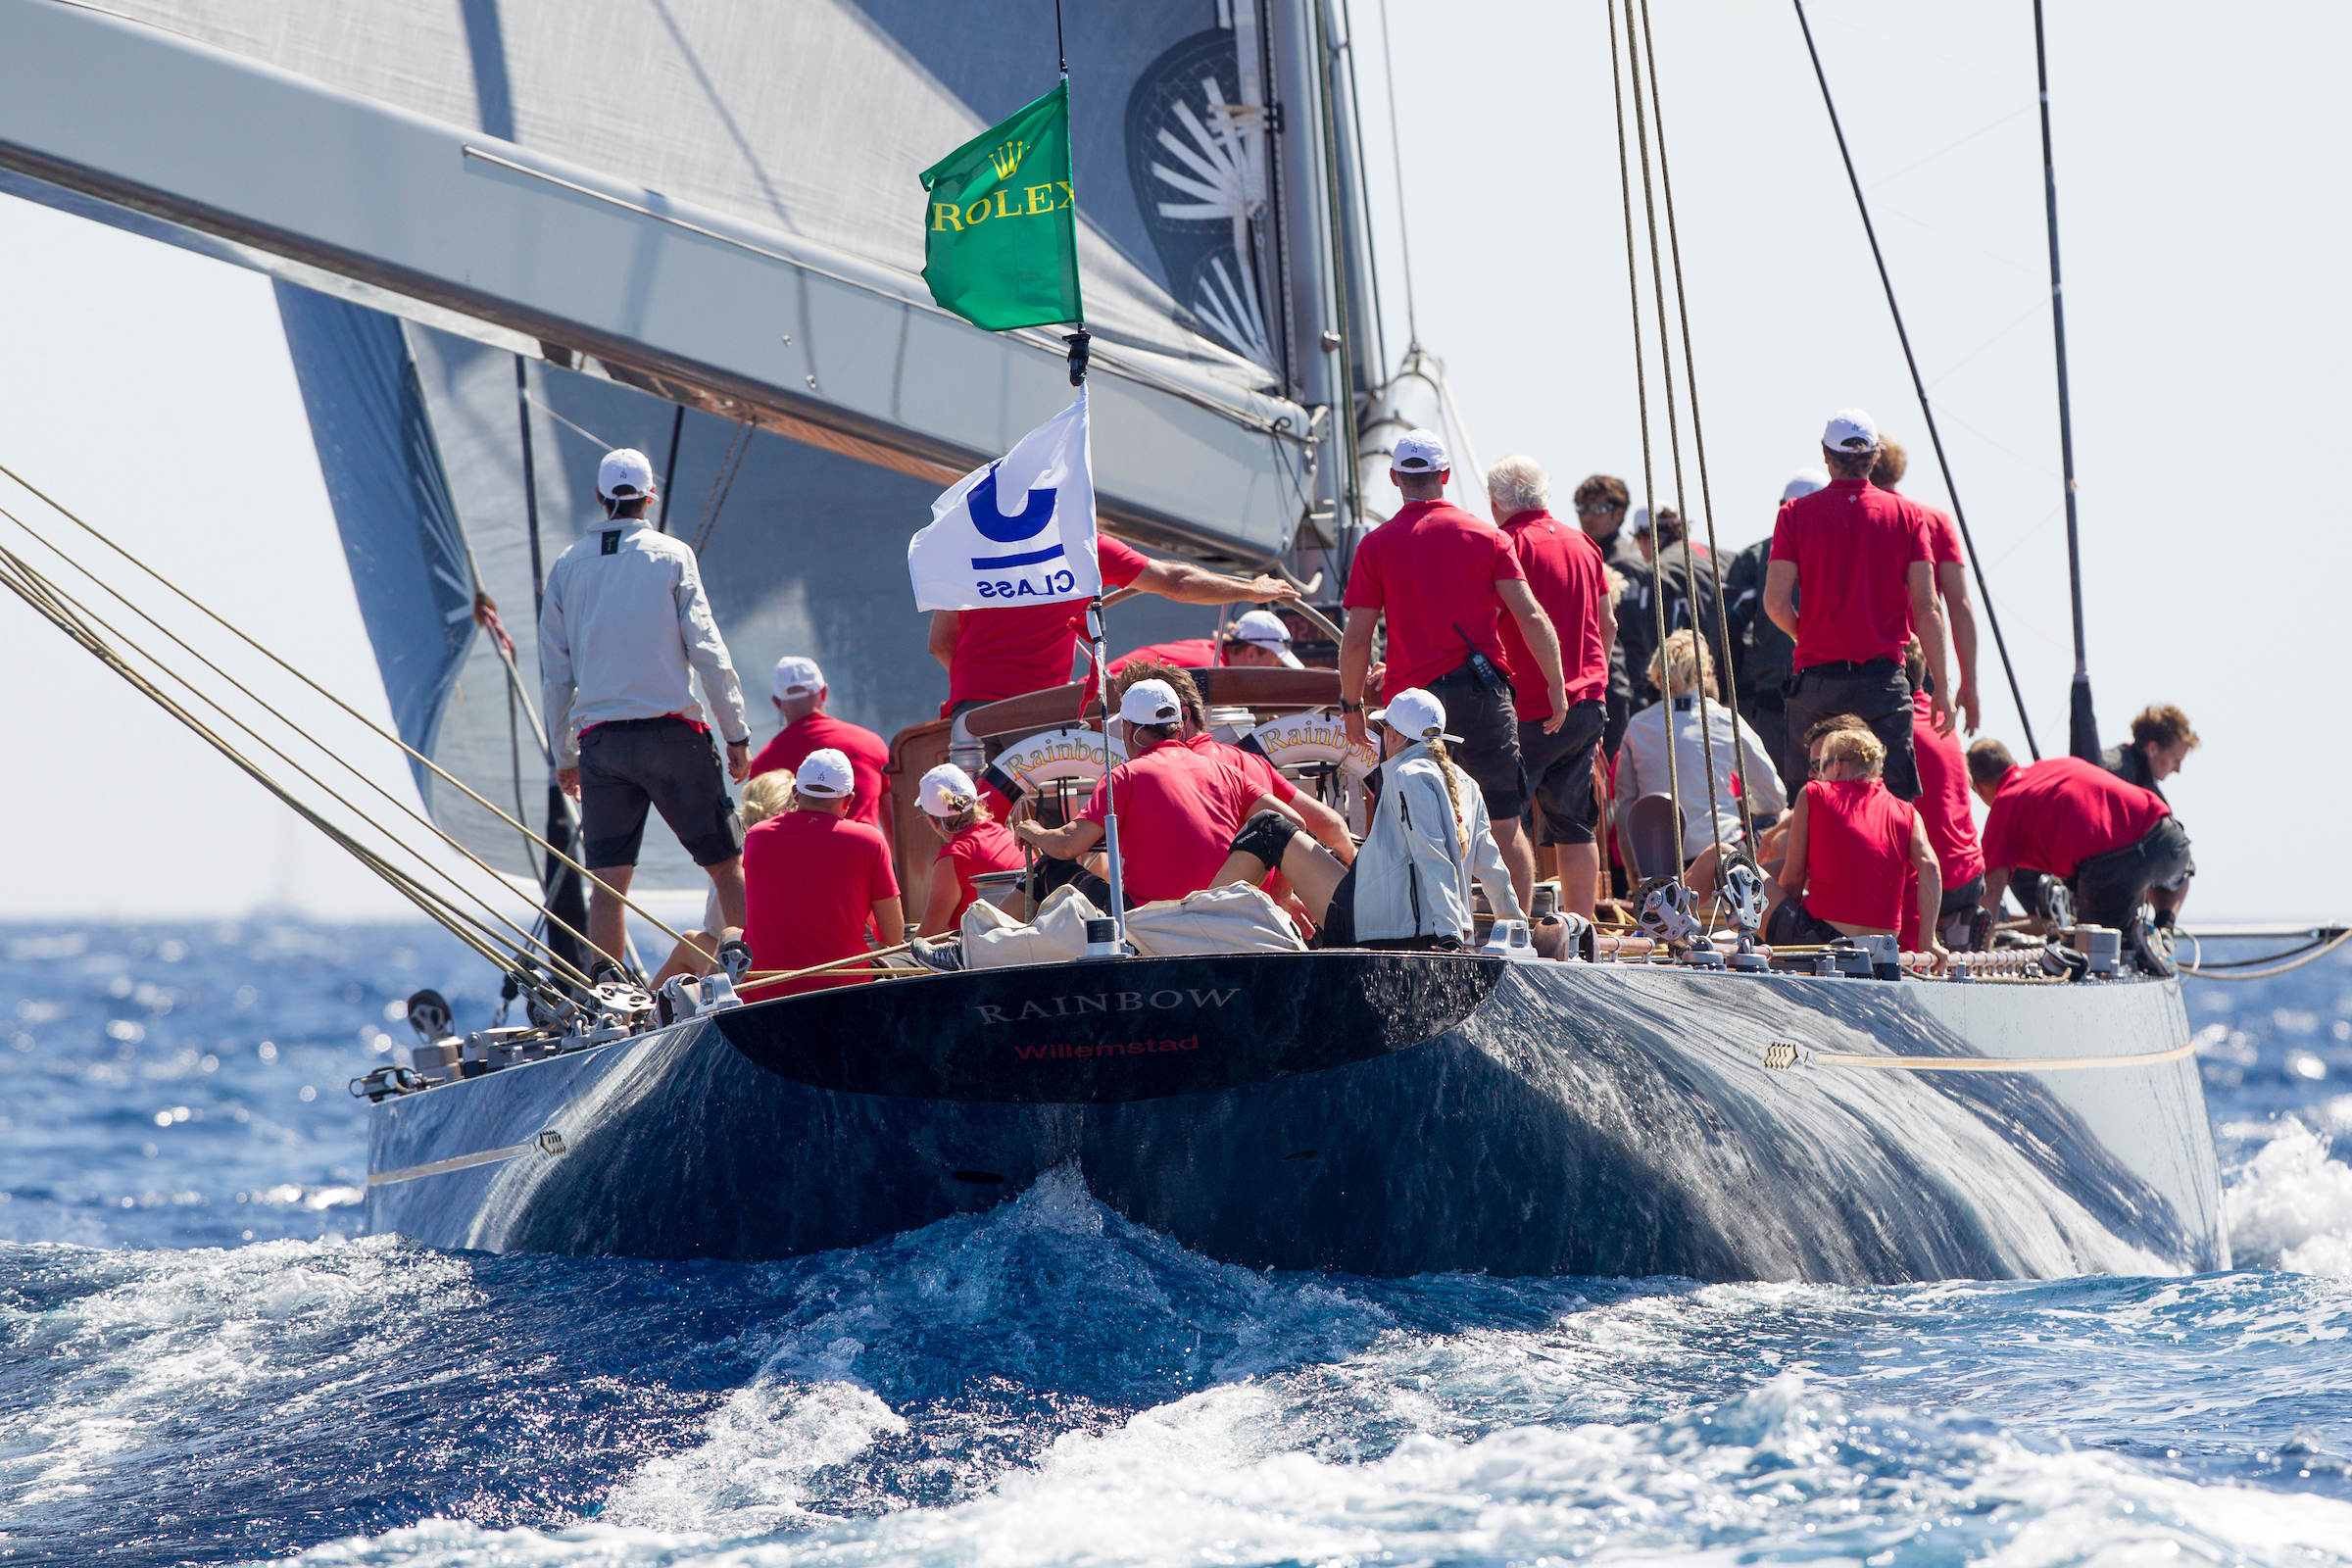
x=1019 y=532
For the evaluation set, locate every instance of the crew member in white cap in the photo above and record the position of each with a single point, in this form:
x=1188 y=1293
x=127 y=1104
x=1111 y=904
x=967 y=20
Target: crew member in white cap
x=818 y=881
x=1178 y=808
x=1429 y=840
x=799 y=693
x=624 y=629
x=1256 y=640
x=1443 y=579
x=1760 y=650
x=972 y=843
x=1851 y=579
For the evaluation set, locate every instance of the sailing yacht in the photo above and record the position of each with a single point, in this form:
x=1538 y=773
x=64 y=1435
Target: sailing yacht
x=507 y=238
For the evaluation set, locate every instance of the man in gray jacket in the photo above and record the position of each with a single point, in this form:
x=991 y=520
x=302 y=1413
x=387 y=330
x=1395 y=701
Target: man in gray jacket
x=623 y=628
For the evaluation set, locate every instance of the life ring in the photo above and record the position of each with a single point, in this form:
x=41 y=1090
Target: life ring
x=1301 y=740
x=1071 y=752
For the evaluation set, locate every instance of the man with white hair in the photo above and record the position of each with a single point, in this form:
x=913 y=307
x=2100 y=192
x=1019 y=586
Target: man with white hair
x=1443 y=581
x=800 y=693
x=818 y=881
x=624 y=629
x=1568 y=577
x=1760 y=650
x=1859 y=557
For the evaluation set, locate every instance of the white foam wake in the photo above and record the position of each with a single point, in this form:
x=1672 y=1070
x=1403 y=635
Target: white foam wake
x=2290 y=1206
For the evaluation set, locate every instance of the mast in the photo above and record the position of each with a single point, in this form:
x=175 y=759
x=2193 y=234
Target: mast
x=2083 y=724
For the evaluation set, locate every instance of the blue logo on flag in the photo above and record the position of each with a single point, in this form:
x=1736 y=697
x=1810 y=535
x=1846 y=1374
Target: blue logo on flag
x=1037 y=509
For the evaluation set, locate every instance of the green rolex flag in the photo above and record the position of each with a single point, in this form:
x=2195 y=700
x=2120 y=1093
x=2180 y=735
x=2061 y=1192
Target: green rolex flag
x=1001 y=228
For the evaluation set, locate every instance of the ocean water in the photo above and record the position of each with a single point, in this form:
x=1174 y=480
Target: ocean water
x=201 y=1359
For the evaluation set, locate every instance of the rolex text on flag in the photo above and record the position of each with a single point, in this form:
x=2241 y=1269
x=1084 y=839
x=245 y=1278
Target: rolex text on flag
x=1001 y=223
x=1019 y=532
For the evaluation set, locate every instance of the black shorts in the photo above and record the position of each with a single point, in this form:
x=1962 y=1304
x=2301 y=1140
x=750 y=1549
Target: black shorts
x=1877 y=693
x=1794 y=925
x=2109 y=888
x=1338 y=929
x=1489 y=748
x=1559 y=772
x=667 y=764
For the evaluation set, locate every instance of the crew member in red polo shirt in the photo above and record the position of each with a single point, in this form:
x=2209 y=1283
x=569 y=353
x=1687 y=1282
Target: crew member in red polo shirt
x=2116 y=843
x=1178 y=808
x=815 y=880
x=1567 y=576
x=1951 y=580
x=999 y=652
x=800 y=693
x=1443 y=579
x=1854 y=848
x=1257 y=770
x=1258 y=640
x=1943 y=809
x=1859 y=558
x=972 y=843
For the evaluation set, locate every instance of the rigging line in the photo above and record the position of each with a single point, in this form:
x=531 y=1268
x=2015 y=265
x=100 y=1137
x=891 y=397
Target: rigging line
x=1633 y=284
x=669 y=470
x=90 y=615
x=575 y=427
x=1633 y=46
x=2312 y=956
x=1363 y=187
x=1918 y=386
x=1350 y=476
x=724 y=486
x=1698 y=442
x=1884 y=180
x=438 y=771
x=26 y=584
x=1405 y=238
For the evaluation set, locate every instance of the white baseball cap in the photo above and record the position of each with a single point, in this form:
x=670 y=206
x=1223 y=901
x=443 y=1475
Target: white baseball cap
x=1416 y=715
x=1151 y=702
x=938 y=790
x=796 y=676
x=1265 y=628
x=1803 y=482
x=825 y=773
x=625 y=474
x=1419 y=451
x=1851 y=430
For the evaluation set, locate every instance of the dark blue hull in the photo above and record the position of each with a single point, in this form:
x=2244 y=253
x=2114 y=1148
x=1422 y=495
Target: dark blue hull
x=1382 y=1115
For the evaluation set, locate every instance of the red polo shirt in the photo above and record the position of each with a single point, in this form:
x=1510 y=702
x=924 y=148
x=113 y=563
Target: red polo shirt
x=1857 y=859
x=1432 y=569
x=1944 y=801
x=2054 y=814
x=1565 y=572
x=982 y=848
x=1005 y=652
x=1257 y=773
x=813 y=732
x=1853 y=545
x=1179 y=809
x=809 y=882
x=1193 y=653
x=1943 y=536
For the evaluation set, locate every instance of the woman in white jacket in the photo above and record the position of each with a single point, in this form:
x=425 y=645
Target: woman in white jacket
x=1429 y=839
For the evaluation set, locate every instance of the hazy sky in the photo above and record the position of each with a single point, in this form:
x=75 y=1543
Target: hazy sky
x=2204 y=226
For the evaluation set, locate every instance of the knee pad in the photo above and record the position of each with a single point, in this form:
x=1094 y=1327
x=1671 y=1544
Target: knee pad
x=1265 y=836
